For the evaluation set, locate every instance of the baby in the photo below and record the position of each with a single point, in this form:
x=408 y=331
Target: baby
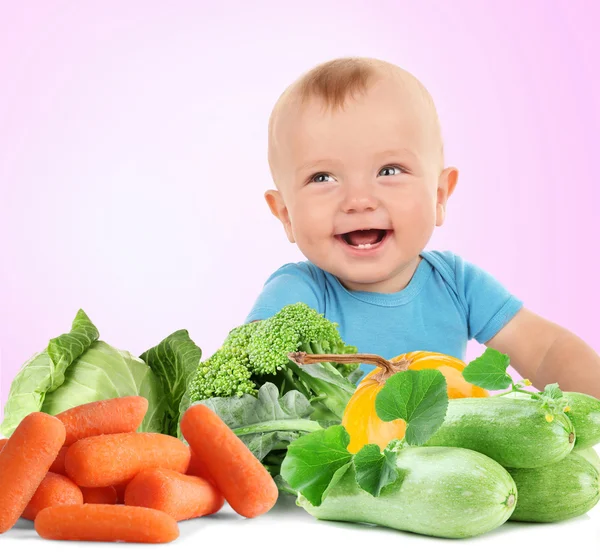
x=356 y=154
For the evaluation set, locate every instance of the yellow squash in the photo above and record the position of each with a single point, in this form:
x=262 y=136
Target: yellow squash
x=361 y=420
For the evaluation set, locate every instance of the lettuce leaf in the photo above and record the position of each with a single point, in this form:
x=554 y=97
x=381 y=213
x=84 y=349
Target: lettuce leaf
x=173 y=362
x=45 y=371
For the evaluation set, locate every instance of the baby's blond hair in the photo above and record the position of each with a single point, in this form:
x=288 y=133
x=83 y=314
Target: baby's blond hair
x=335 y=81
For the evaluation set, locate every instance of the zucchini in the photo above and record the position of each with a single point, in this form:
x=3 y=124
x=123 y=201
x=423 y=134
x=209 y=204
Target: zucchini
x=590 y=455
x=514 y=432
x=562 y=490
x=441 y=491
x=584 y=414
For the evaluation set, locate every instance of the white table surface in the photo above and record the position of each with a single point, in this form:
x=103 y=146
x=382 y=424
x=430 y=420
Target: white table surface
x=289 y=530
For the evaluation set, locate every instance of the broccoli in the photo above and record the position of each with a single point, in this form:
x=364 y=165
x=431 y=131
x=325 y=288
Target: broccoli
x=255 y=353
x=227 y=372
x=296 y=327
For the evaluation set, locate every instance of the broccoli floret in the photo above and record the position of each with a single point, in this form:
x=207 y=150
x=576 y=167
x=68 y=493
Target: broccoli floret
x=296 y=327
x=239 y=337
x=223 y=374
x=256 y=352
x=227 y=372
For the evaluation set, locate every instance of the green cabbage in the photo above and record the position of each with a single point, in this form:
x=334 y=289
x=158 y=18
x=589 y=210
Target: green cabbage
x=77 y=368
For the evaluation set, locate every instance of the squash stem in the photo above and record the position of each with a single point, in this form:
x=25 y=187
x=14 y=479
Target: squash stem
x=302 y=358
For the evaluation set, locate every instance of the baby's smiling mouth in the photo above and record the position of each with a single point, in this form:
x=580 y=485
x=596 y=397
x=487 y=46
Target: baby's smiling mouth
x=364 y=238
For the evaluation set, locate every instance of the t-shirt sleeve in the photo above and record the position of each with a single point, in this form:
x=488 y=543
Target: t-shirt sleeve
x=291 y=283
x=489 y=305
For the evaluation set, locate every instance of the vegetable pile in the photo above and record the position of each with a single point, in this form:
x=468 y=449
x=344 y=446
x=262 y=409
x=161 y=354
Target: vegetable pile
x=249 y=382
x=420 y=445
x=153 y=471
x=464 y=466
x=264 y=397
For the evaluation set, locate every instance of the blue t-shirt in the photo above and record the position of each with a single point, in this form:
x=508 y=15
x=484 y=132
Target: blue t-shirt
x=447 y=302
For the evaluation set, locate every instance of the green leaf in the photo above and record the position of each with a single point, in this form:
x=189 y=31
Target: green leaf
x=65 y=349
x=376 y=469
x=552 y=391
x=337 y=476
x=283 y=486
x=174 y=361
x=418 y=397
x=45 y=372
x=354 y=376
x=488 y=371
x=327 y=381
x=265 y=422
x=312 y=461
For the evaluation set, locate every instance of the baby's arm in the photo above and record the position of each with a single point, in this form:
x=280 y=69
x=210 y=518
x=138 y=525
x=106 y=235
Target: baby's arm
x=545 y=352
x=539 y=350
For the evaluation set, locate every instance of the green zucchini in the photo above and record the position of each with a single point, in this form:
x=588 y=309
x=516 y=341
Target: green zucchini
x=565 y=489
x=441 y=491
x=514 y=432
x=584 y=414
x=590 y=455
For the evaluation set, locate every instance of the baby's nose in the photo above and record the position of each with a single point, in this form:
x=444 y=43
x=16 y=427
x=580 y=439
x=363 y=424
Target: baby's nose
x=359 y=201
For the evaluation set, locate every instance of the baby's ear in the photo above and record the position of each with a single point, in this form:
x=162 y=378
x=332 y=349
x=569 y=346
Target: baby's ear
x=276 y=203
x=446 y=184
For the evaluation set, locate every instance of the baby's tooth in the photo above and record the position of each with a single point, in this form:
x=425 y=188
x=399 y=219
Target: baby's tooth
x=363 y=246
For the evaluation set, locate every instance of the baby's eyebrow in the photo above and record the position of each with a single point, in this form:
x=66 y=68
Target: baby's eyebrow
x=387 y=153
x=312 y=164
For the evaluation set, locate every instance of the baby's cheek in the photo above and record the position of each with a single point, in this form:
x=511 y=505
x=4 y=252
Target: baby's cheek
x=309 y=228
x=416 y=217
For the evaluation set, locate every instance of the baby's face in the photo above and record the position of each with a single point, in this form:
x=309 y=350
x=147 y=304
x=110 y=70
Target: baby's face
x=361 y=189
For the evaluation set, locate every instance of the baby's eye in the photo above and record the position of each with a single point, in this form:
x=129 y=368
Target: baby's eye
x=317 y=177
x=387 y=169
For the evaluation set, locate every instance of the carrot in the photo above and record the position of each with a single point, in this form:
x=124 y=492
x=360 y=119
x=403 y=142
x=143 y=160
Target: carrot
x=120 y=489
x=178 y=495
x=198 y=468
x=237 y=473
x=58 y=466
x=2 y=443
x=24 y=462
x=54 y=490
x=99 y=495
x=106 y=523
x=116 y=415
x=112 y=459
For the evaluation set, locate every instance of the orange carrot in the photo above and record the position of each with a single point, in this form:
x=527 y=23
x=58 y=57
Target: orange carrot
x=112 y=459
x=24 y=462
x=58 y=466
x=120 y=489
x=2 y=443
x=99 y=495
x=54 y=490
x=237 y=473
x=106 y=523
x=178 y=495
x=116 y=415
x=198 y=468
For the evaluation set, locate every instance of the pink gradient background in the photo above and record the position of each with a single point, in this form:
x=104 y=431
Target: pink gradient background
x=133 y=154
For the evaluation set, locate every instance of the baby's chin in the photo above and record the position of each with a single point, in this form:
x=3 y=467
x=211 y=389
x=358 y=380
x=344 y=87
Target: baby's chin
x=385 y=275
x=370 y=278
